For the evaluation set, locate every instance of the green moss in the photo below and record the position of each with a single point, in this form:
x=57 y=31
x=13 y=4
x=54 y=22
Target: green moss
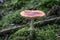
x=44 y=33
x=15 y=18
x=24 y=5
x=40 y=34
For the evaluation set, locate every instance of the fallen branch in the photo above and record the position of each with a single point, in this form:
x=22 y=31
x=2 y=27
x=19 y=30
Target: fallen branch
x=7 y=31
x=49 y=21
x=39 y=23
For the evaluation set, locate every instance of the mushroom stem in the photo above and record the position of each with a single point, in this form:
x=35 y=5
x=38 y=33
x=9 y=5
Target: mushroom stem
x=31 y=29
x=31 y=24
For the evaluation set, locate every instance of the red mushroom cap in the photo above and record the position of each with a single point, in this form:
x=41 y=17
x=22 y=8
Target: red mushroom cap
x=32 y=13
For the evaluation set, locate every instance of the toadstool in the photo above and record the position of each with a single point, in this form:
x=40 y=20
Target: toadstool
x=32 y=14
